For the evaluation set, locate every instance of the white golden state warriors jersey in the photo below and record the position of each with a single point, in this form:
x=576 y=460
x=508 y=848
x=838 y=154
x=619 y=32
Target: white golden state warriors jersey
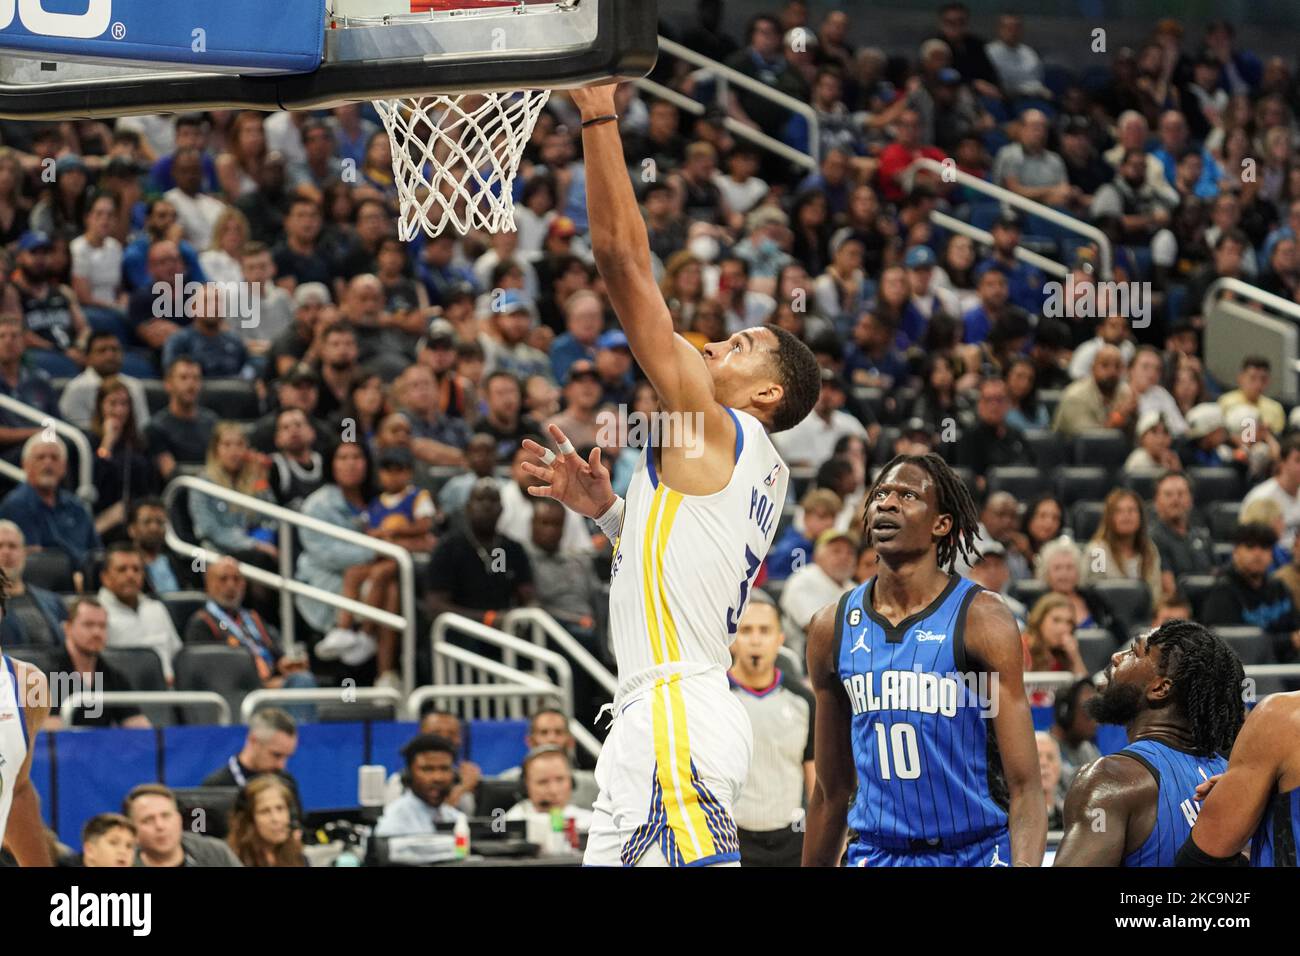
x=684 y=564
x=13 y=738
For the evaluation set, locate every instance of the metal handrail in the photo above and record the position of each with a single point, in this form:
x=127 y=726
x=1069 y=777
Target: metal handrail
x=983 y=236
x=748 y=83
x=1248 y=291
x=86 y=489
x=543 y=626
x=293 y=695
x=285 y=582
x=730 y=123
x=507 y=642
x=144 y=698
x=950 y=173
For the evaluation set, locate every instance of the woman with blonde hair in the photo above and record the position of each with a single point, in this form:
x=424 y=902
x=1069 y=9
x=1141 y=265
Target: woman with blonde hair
x=1121 y=548
x=262 y=831
x=221 y=261
x=683 y=286
x=1049 y=641
x=1268 y=511
x=228 y=528
x=239 y=168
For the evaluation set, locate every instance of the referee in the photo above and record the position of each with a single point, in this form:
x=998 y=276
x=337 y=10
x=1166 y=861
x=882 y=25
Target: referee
x=769 y=813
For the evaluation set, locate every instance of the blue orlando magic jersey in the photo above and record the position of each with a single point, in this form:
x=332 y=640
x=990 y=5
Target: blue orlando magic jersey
x=1177 y=774
x=1274 y=842
x=928 y=770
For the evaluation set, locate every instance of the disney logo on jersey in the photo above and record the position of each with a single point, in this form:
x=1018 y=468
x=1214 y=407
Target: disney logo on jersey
x=925 y=637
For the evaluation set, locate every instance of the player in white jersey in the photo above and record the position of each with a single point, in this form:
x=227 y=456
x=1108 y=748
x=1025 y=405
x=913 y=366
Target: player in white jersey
x=23 y=707
x=700 y=514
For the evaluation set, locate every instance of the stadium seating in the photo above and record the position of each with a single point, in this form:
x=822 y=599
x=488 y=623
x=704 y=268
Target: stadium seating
x=1096 y=645
x=51 y=569
x=1143 y=481
x=1085 y=518
x=1107 y=447
x=39 y=655
x=1082 y=483
x=231 y=399
x=1223 y=517
x=1214 y=484
x=143 y=669
x=1195 y=587
x=1028 y=591
x=1025 y=483
x=228 y=671
x=1129 y=601
x=1050 y=450
x=182 y=605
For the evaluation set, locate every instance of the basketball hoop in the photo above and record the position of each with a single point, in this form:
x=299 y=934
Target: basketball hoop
x=455 y=158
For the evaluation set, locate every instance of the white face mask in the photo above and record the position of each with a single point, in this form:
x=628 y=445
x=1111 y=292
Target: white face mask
x=704 y=248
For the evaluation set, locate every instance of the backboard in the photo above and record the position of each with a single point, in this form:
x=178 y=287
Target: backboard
x=71 y=59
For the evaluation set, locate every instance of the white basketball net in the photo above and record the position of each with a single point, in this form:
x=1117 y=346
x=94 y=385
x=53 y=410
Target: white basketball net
x=455 y=158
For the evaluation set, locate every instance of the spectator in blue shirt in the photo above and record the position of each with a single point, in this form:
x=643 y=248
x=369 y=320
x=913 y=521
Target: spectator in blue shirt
x=429 y=778
x=190 y=134
x=794 y=548
x=1025 y=283
x=48 y=516
x=219 y=352
x=584 y=317
x=161 y=222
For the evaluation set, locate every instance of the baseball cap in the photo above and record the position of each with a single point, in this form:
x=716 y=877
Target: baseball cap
x=1148 y=421
x=67 y=163
x=1077 y=126
x=34 y=239
x=396 y=457
x=1008 y=219
x=562 y=227
x=613 y=339
x=580 y=369
x=301 y=374
x=1204 y=419
x=919 y=257
x=949 y=77
x=122 y=167
x=440 y=332
x=765 y=216
x=829 y=377
x=988 y=548
x=916 y=426
x=311 y=293
x=512 y=300
x=1235 y=418
x=835 y=534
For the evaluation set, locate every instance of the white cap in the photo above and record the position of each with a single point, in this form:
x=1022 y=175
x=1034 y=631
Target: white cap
x=1148 y=421
x=1203 y=419
x=1237 y=417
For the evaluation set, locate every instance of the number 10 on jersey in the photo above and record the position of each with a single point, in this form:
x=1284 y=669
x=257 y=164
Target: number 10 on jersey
x=897 y=748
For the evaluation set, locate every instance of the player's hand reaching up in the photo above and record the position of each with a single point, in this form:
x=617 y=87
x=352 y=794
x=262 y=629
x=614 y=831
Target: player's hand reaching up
x=593 y=101
x=581 y=486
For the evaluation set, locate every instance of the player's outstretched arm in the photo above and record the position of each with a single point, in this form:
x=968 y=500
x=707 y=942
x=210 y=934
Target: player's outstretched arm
x=581 y=486
x=1231 y=812
x=25 y=833
x=993 y=642
x=621 y=247
x=828 y=808
x=1099 y=809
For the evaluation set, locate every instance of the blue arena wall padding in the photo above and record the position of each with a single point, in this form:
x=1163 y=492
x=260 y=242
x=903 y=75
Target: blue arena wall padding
x=95 y=769
x=252 y=36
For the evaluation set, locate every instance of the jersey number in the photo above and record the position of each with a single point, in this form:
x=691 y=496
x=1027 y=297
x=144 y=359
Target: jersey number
x=906 y=755
x=751 y=568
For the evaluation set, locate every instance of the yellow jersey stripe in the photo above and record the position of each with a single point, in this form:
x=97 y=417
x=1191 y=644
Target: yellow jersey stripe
x=673 y=646
x=684 y=775
x=676 y=796
x=647 y=586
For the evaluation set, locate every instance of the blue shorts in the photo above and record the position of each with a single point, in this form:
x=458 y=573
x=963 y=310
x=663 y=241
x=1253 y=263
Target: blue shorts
x=993 y=850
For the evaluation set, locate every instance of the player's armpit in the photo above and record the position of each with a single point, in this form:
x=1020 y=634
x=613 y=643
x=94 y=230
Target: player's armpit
x=835 y=777
x=992 y=642
x=1231 y=812
x=1098 y=808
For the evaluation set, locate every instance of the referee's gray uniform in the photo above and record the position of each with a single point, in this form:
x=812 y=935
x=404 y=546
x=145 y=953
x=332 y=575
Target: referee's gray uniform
x=773 y=796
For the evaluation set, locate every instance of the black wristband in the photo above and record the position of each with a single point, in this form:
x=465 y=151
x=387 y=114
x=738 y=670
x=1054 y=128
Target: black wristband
x=1192 y=855
x=599 y=119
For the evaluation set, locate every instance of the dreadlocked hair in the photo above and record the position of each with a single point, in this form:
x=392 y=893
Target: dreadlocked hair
x=1207 y=680
x=953 y=498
